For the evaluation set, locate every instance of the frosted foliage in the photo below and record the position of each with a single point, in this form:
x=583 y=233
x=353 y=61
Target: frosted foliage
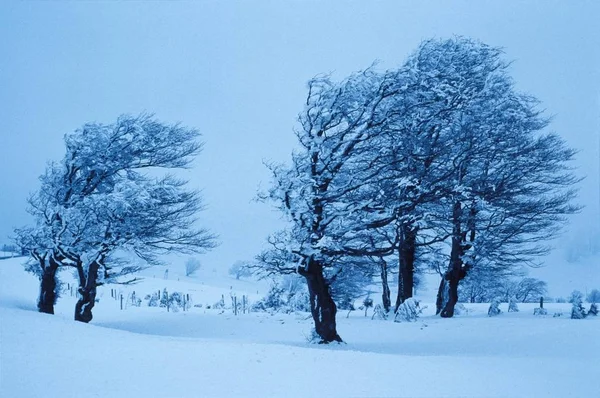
x=97 y=202
x=512 y=305
x=408 y=311
x=494 y=309
x=540 y=311
x=577 y=310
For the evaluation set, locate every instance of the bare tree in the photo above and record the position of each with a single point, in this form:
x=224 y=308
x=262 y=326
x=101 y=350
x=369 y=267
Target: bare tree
x=191 y=266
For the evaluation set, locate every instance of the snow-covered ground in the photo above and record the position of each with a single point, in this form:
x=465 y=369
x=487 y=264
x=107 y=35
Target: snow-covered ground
x=149 y=352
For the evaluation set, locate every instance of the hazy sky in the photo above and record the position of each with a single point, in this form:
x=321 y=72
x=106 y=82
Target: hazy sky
x=237 y=71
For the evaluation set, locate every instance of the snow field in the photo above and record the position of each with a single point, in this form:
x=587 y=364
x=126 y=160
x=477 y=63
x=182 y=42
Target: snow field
x=148 y=352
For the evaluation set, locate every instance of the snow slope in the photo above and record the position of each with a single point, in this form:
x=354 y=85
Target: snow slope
x=148 y=352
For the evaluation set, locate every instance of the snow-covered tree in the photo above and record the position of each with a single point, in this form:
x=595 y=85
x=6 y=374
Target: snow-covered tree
x=107 y=197
x=321 y=191
x=511 y=184
x=512 y=305
x=494 y=307
x=577 y=310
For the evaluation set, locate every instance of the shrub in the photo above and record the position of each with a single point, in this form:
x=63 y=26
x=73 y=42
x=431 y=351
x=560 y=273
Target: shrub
x=512 y=305
x=494 y=308
x=408 y=311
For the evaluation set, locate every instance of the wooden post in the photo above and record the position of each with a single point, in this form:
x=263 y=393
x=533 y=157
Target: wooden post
x=541 y=302
x=121 y=302
x=235 y=305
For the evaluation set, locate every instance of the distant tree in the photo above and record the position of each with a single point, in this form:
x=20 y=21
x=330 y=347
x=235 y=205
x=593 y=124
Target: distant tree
x=593 y=296
x=240 y=269
x=191 y=266
x=575 y=296
x=530 y=290
x=98 y=202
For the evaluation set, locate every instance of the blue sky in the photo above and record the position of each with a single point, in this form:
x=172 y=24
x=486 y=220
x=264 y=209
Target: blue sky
x=237 y=71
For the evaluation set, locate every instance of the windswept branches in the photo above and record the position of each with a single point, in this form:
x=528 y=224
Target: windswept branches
x=104 y=199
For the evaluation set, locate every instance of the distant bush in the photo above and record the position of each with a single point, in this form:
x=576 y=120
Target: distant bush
x=560 y=300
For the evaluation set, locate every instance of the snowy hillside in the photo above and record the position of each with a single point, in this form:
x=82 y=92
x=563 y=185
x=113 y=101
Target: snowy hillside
x=214 y=353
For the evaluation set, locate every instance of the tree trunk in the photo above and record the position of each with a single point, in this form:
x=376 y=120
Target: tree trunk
x=456 y=272
x=48 y=293
x=322 y=306
x=406 y=264
x=87 y=292
x=442 y=296
x=386 y=295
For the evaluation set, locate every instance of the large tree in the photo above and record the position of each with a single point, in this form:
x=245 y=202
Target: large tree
x=107 y=197
x=320 y=191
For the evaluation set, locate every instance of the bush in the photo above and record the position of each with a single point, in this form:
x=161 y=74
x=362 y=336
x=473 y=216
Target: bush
x=512 y=305
x=286 y=296
x=494 y=308
x=593 y=309
x=153 y=300
x=408 y=311
x=540 y=311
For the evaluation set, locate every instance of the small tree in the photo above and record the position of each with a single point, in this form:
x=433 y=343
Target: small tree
x=191 y=266
x=577 y=310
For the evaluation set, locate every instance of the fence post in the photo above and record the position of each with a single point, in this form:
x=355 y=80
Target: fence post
x=121 y=302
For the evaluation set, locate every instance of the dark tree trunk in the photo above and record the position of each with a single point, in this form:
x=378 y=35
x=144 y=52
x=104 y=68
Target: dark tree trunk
x=322 y=306
x=442 y=296
x=406 y=264
x=386 y=295
x=457 y=270
x=87 y=292
x=48 y=293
